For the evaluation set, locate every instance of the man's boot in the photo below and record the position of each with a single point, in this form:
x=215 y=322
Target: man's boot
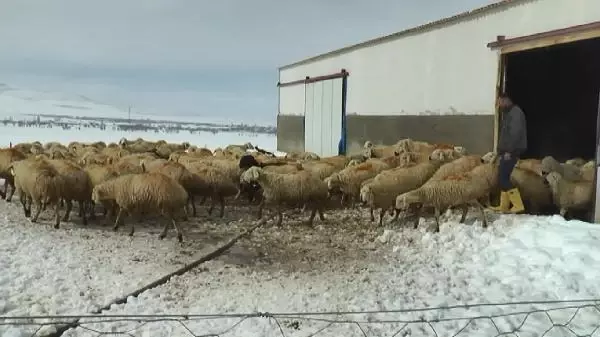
x=516 y=201
x=504 y=203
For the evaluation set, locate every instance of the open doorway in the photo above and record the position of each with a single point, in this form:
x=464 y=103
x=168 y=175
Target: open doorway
x=557 y=87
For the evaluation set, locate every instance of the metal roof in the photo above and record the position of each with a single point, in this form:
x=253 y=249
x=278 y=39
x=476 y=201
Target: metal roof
x=418 y=29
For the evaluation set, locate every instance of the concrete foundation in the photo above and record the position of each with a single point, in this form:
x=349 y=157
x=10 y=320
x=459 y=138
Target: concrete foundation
x=475 y=132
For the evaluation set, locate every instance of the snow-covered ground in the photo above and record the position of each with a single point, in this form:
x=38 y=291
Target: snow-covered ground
x=518 y=258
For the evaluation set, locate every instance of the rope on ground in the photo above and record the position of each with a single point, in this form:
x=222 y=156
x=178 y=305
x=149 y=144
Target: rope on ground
x=60 y=330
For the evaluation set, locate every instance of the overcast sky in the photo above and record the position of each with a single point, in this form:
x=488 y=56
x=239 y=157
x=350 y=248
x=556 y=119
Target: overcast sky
x=185 y=57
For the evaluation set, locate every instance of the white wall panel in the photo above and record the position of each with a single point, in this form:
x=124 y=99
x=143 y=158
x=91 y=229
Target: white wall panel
x=291 y=99
x=448 y=70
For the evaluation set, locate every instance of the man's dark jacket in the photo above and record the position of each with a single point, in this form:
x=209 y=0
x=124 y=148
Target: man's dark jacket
x=513 y=131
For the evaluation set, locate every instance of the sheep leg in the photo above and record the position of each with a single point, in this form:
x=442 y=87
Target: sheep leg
x=484 y=222
x=11 y=183
x=417 y=216
x=3 y=193
x=381 y=215
x=92 y=210
x=321 y=215
x=563 y=212
x=132 y=230
x=279 y=216
x=437 y=220
x=222 y=206
x=311 y=218
x=82 y=212
x=68 y=211
x=465 y=209
x=38 y=210
x=23 y=200
x=212 y=205
x=372 y=216
x=118 y=220
x=260 y=209
x=56 y=216
x=343 y=199
x=396 y=214
x=193 y=202
x=203 y=200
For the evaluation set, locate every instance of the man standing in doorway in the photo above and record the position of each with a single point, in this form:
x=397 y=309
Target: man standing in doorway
x=512 y=142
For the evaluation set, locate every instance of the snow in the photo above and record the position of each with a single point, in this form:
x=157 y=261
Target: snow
x=518 y=258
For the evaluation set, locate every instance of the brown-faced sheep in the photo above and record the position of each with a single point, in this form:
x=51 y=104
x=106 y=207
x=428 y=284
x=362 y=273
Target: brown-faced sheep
x=144 y=193
x=78 y=187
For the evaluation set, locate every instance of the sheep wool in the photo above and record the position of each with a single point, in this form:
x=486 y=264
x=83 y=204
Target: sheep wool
x=570 y=195
x=144 y=192
x=302 y=188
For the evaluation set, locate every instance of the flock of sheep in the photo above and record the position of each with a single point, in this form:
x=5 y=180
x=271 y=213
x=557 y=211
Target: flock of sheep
x=141 y=177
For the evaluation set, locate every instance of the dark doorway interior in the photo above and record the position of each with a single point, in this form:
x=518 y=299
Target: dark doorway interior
x=558 y=88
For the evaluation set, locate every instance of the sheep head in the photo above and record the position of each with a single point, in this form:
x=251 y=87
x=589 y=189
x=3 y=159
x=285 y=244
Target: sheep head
x=123 y=142
x=368 y=145
x=251 y=175
x=406 y=200
x=553 y=179
x=549 y=164
x=186 y=145
x=489 y=157
x=101 y=192
x=366 y=194
x=438 y=155
x=368 y=152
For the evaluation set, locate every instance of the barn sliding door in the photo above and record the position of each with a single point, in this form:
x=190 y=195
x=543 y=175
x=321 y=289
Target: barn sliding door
x=323 y=115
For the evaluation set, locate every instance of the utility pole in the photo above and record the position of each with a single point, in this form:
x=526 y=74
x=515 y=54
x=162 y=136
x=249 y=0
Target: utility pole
x=129 y=114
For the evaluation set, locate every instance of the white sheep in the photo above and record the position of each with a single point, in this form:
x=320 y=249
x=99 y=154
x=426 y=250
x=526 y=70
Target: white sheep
x=387 y=185
x=144 y=193
x=570 y=195
x=460 y=190
x=301 y=188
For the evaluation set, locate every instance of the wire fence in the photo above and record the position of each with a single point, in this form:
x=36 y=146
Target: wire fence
x=550 y=318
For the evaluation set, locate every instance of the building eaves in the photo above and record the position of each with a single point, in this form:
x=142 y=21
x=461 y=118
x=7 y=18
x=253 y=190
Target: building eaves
x=418 y=29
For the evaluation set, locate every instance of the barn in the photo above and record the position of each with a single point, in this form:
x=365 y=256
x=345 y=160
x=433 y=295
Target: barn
x=438 y=82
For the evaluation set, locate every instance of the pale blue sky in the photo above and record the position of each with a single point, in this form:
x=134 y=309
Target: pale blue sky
x=188 y=57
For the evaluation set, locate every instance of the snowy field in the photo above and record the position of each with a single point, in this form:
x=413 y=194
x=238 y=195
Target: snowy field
x=17 y=135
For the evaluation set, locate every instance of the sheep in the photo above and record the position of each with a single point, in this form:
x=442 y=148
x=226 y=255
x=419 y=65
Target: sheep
x=347 y=181
x=459 y=190
x=40 y=183
x=568 y=171
x=387 y=185
x=78 y=187
x=144 y=192
x=99 y=174
x=589 y=165
x=7 y=158
x=579 y=162
x=457 y=166
x=289 y=189
x=533 y=189
x=378 y=151
x=301 y=156
x=570 y=195
x=191 y=182
x=213 y=182
x=532 y=165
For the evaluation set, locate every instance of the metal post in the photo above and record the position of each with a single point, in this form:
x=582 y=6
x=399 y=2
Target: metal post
x=596 y=217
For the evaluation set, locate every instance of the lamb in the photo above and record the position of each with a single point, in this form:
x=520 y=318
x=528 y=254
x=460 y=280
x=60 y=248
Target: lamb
x=144 y=192
x=460 y=190
x=378 y=151
x=37 y=182
x=570 y=195
x=387 y=185
x=300 y=188
x=7 y=158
